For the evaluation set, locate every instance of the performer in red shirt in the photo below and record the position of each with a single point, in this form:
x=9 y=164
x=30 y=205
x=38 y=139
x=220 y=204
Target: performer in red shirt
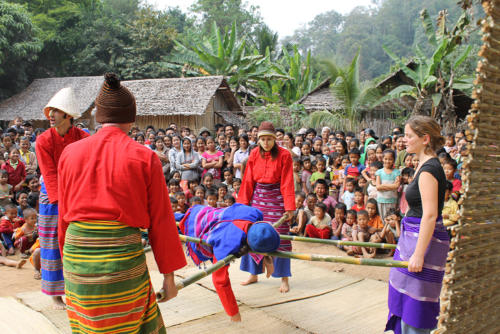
x=109 y=187
x=61 y=110
x=268 y=186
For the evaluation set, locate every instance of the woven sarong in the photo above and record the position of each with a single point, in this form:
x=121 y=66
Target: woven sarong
x=414 y=297
x=268 y=199
x=108 y=289
x=50 y=256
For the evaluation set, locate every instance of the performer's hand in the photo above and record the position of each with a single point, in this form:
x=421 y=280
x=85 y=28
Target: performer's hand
x=168 y=287
x=415 y=263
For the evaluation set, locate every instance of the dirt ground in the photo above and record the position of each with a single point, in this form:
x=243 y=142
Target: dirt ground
x=15 y=281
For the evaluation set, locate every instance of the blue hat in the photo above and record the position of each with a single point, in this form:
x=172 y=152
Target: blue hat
x=262 y=237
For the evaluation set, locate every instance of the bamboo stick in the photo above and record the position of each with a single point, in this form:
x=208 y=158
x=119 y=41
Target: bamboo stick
x=199 y=275
x=184 y=238
x=340 y=259
x=338 y=242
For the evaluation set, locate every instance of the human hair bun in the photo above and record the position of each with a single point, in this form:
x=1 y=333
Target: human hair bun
x=112 y=80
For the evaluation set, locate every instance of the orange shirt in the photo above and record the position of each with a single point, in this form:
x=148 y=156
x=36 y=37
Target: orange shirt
x=108 y=176
x=268 y=171
x=376 y=222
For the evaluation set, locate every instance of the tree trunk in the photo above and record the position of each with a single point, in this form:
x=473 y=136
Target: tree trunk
x=418 y=107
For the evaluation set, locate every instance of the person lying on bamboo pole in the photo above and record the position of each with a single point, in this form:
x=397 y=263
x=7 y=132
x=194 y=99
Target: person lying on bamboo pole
x=232 y=230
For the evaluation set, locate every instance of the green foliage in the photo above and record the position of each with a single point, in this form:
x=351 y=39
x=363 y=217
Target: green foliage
x=226 y=12
x=351 y=95
x=19 y=47
x=270 y=112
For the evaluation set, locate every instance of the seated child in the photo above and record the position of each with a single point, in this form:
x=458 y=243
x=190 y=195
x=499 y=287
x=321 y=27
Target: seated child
x=374 y=220
x=319 y=226
x=229 y=200
x=359 y=200
x=173 y=187
x=228 y=230
x=450 y=209
x=173 y=202
x=195 y=200
x=450 y=167
x=5 y=189
x=212 y=197
x=22 y=201
x=236 y=187
x=348 y=195
x=362 y=232
x=338 y=221
x=348 y=228
x=299 y=219
x=391 y=231
x=228 y=180
x=8 y=224
x=182 y=206
x=208 y=181
x=221 y=193
x=26 y=235
x=200 y=192
x=192 y=184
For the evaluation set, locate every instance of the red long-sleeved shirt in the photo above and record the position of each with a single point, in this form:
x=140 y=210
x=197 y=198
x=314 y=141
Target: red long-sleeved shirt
x=266 y=170
x=49 y=146
x=15 y=175
x=108 y=176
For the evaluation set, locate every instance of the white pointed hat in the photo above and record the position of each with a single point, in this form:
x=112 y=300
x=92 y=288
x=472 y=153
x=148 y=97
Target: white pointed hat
x=65 y=101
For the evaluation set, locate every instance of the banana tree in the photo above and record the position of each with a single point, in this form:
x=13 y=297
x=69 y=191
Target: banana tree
x=351 y=95
x=434 y=77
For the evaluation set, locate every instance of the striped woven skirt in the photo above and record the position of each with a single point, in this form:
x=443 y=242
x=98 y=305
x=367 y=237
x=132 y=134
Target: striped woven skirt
x=108 y=289
x=414 y=297
x=268 y=199
x=50 y=256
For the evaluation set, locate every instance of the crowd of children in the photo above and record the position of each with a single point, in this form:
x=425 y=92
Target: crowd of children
x=347 y=187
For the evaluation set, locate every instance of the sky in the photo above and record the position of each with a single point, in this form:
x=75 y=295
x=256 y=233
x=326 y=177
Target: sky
x=283 y=16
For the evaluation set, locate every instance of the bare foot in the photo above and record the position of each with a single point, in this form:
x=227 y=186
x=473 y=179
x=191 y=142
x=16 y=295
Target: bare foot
x=268 y=266
x=236 y=317
x=350 y=252
x=21 y=263
x=369 y=255
x=284 y=287
x=58 y=303
x=37 y=275
x=252 y=279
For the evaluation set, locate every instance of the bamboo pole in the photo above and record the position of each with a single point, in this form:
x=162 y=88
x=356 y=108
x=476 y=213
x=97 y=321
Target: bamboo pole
x=320 y=257
x=199 y=275
x=340 y=259
x=338 y=242
x=184 y=238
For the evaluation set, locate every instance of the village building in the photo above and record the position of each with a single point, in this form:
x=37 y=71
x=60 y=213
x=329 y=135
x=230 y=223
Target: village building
x=193 y=102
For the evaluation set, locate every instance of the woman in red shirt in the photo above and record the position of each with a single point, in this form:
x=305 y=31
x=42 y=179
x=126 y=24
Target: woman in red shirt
x=268 y=186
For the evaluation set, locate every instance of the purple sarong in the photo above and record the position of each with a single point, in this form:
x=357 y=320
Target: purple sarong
x=414 y=297
x=268 y=199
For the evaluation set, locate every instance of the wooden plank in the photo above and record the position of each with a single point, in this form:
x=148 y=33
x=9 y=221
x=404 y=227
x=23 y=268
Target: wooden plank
x=17 y=319
x=358 y=308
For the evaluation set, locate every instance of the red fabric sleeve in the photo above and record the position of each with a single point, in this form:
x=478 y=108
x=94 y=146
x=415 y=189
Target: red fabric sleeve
x=222 y=284
x=286 y=183
x=62 y=225
x=48 y=167
x=248 y=183
x=162 y=233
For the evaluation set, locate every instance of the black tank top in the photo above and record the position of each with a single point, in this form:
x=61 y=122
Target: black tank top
x=432 y=166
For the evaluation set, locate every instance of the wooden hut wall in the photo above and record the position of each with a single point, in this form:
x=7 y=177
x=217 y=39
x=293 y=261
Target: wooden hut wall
x=194 y=122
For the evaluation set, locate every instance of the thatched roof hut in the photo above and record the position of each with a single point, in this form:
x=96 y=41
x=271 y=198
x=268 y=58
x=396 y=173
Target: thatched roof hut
x=193 y=102
x=30 y=102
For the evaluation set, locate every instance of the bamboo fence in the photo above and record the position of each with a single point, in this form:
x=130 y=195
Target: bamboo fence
x=470 y=301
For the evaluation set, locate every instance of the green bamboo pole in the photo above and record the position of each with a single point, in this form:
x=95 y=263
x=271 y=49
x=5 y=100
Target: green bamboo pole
x=337 y=242
x=320 y=257
x=341 y=259
x=312 y=240
x=199 y=275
